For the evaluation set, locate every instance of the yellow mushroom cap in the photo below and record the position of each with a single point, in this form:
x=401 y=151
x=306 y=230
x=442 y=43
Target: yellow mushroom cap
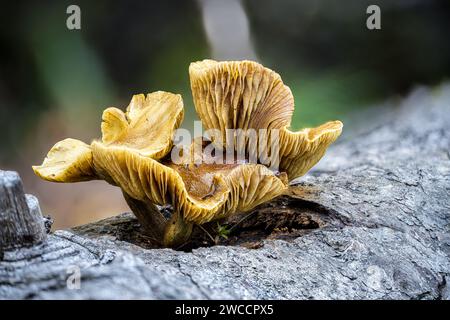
x=69 y=160
x=147 y=126
x=246 y=95
x=240 y=94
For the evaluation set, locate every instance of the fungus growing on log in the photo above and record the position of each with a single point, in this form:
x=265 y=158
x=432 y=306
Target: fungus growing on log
x=135 y=151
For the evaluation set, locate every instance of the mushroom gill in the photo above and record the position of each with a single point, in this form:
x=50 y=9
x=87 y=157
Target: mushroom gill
x=245 y=95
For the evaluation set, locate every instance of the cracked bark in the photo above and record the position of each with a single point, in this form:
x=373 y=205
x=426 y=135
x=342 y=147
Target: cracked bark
x=382 y=195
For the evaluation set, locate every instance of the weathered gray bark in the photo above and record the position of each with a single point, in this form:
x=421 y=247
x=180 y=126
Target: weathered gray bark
x=382 y=200
x=21 y=222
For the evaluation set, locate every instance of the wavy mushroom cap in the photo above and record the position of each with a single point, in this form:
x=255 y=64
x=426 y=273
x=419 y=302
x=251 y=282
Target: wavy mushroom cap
x=147 y=127
x=240 y=94
x=200 y=193
x=69 y=160
x=246 y=95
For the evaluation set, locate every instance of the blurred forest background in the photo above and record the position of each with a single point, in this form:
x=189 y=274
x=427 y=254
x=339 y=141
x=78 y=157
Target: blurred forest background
x=55 y=82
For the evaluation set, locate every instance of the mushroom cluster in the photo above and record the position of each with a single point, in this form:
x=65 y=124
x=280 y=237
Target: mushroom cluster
x=136 y=147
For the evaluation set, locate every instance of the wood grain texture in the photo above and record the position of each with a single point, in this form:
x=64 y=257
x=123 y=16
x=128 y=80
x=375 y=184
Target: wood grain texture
x=21 y=222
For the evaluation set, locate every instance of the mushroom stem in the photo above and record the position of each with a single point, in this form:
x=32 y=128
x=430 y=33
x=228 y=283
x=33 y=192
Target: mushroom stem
x=149 y=216
x=177 y=231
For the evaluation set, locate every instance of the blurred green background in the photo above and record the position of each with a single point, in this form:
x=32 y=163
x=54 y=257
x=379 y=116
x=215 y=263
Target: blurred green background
x=55 y=82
